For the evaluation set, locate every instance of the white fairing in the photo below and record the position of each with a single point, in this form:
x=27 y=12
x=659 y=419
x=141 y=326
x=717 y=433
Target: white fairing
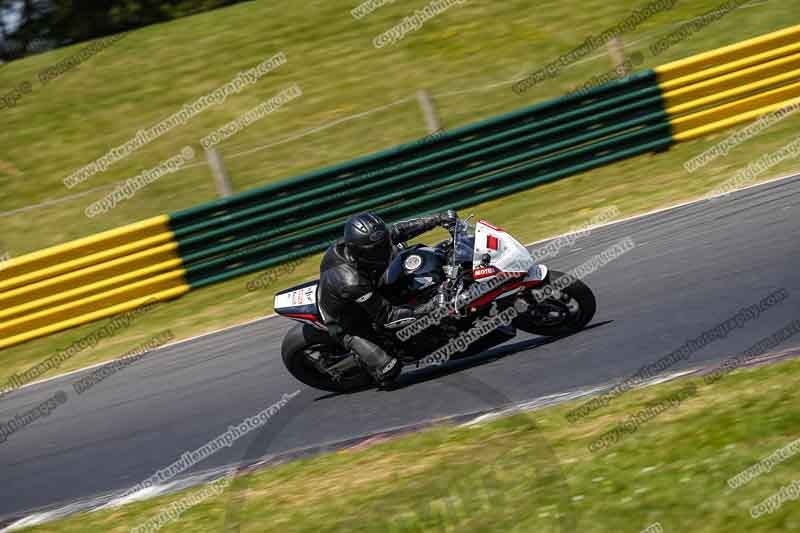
x=301 y=305
x=510 y=256
x=304 y=296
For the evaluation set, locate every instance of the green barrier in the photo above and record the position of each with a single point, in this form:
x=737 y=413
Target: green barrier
x=647 y=139
x=471 y=164
x=553 y=144
x=202 y=276
x=551 y=109
x=210 y=243
x=190 y=236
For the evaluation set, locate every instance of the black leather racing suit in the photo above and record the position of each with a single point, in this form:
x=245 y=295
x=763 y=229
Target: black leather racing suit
x=349 y=302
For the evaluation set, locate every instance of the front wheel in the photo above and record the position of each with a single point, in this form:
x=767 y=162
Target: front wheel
x=307 y=350
x=558 y=311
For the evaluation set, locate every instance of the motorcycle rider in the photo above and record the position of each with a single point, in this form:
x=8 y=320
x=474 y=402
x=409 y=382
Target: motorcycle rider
x=349 y=276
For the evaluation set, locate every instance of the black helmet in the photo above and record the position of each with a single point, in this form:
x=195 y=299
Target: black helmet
x=368 y=241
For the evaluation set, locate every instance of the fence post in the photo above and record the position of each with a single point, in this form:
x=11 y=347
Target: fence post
x=5 y=257
x=616 y=50
x=220 y=173
x=429 y=110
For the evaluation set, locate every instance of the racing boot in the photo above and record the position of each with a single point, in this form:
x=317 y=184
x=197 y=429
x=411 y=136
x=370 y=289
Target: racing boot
x=383 y=367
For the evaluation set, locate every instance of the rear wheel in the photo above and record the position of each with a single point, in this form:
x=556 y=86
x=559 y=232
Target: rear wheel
x=305 y=350
x=558 y=312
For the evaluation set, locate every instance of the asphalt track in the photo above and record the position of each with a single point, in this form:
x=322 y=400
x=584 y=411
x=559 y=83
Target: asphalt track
x=693 y=267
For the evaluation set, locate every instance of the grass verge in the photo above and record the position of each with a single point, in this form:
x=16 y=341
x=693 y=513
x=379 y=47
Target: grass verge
x=492 y=477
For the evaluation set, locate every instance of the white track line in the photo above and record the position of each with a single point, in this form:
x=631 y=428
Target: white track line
x=37 y=518
x=613 y=222
x=669 y=208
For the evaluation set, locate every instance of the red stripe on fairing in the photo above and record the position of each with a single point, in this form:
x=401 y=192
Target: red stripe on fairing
x=492 y=226
x=301 y=315
x=490 y=296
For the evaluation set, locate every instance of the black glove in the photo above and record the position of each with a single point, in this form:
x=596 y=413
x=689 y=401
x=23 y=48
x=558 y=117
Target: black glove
x=431 y=305
x=443 y=303
x=448 y=218
x=427 y=307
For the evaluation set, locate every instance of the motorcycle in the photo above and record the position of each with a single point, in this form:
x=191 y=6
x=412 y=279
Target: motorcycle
x=493 y=284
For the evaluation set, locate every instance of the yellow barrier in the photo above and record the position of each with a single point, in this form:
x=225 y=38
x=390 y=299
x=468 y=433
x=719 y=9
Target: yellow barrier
x=83 y=253
x=91 y=317
x=74 y=250
x=716 y=90
x=87 y=279
x=729 y=58
x=93 y=280
x=781 y=97
x=743 y=82
x=668 y=84
x=713 y=127
x=98 y=303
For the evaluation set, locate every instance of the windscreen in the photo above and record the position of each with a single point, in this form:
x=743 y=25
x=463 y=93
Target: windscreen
x=465 y=242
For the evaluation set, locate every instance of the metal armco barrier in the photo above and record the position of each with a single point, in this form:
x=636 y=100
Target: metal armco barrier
x=88 y=279
x=710 y=92
x=461 y=167
x=167 y=256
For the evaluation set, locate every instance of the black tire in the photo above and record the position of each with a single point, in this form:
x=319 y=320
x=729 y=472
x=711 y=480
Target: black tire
x=587 y=305
x=303 y=337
